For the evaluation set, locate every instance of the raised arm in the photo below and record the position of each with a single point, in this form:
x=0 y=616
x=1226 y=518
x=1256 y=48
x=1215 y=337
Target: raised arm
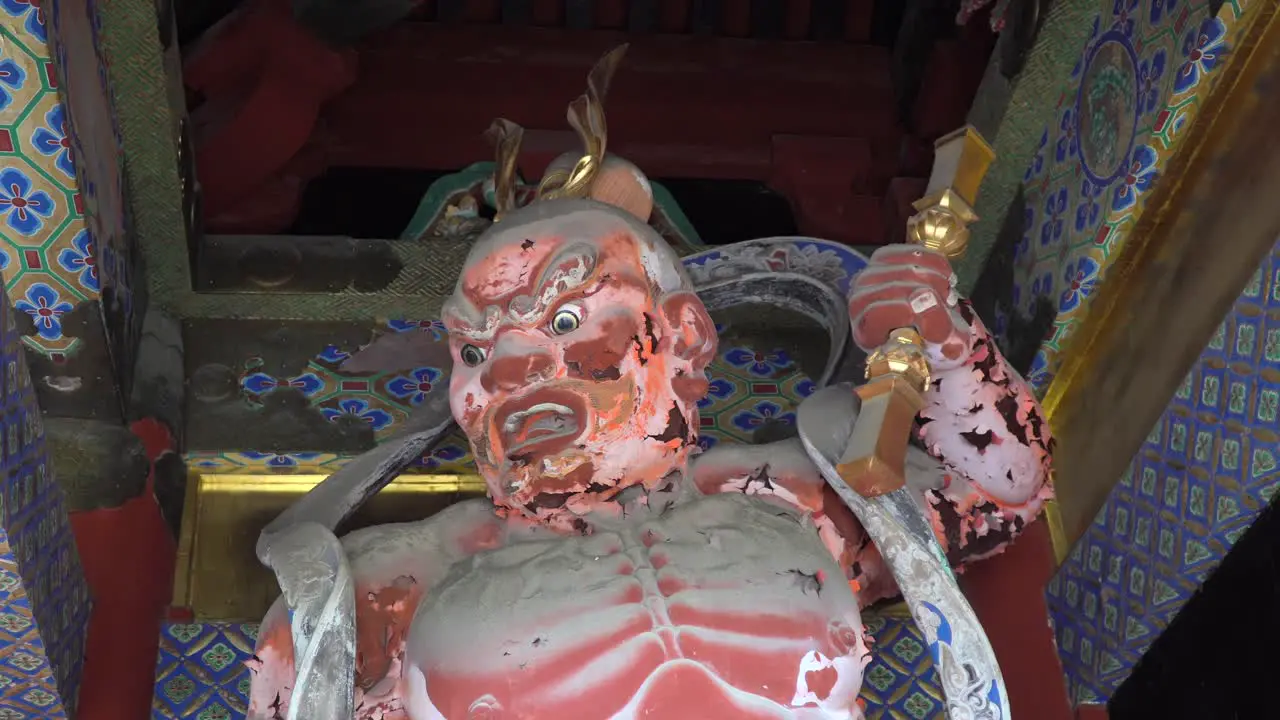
x=983 y=423
x=981 y=420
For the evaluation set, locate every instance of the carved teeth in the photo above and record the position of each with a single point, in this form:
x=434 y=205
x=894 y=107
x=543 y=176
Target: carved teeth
x=512 y=423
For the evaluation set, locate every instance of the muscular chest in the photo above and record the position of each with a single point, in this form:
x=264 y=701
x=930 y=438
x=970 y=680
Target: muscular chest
x=729 y=585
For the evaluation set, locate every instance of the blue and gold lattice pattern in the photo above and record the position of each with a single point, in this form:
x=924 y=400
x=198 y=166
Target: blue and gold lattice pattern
x=1207 y=469
x=44 y=603
x=201 y=673
x=900 y=683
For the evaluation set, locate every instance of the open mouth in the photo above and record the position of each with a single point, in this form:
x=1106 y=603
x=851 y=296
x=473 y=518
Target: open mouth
x=544 y=422
x=541 y=422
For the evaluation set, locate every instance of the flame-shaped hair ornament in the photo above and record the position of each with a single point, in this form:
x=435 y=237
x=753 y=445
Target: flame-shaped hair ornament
x=586 y=116
x=505 y=136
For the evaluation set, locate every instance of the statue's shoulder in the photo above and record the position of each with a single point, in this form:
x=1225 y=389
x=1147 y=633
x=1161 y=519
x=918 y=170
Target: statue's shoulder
x=785 y=457
x=448 y=532
x=780 y=468
x=728 y=459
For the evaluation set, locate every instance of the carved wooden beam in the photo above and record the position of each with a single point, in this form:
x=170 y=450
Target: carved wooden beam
x=1207 y=226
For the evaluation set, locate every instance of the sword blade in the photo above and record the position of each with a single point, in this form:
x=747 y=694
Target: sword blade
x=896 y=523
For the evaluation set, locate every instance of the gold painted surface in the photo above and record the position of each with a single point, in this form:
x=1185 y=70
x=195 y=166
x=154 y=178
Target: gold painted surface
x=1205 y=169
x=960 y=162
x=874 y=463
x=218 y=575
x=902 y=358
x=1057 y=534
x=976 y=157
x=889 y=609
x=940 y=229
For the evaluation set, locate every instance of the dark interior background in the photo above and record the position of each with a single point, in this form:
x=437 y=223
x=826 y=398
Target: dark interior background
x=722 y=211
x=1217 y=660
x=194 y=17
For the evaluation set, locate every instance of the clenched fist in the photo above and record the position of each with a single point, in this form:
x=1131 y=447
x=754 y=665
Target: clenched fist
x=910 y=286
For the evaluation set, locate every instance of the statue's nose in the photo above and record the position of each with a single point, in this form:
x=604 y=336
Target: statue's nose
x=516 y=365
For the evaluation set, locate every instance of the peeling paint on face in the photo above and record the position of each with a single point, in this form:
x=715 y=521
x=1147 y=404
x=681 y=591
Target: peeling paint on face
x=583 y=412
x=499 y=275
x=601 y=358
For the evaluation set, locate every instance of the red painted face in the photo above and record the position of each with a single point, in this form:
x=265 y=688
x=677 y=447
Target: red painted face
x=572 y=379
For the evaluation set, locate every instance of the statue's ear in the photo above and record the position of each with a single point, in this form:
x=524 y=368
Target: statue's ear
x=694 y=336
x=617 y=183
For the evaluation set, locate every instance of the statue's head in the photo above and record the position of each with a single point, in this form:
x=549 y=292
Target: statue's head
x=579 y=350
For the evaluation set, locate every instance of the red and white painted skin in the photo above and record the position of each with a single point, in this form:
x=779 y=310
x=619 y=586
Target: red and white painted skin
x=614 y=573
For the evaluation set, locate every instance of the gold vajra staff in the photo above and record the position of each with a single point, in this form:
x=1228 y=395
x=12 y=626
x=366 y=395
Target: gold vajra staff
x=898 y=373
x=868 y=469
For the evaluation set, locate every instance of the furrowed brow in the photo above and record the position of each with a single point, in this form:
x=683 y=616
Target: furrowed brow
x=568 y=271
x=462 y=323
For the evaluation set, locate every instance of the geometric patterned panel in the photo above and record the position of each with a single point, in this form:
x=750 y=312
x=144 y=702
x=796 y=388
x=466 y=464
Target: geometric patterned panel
x=201 y=673
x=1122 y=112
x=91 y=138
x=28 y=685
x=1206 y=471
x=44 y=603
x=47 y=253
x=900 y=683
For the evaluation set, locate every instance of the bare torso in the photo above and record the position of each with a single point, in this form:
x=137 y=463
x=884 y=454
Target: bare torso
x=718 y=606
x=723 y=606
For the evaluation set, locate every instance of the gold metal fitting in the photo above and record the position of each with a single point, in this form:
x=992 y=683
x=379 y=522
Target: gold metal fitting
x=938 y=228
x=960 y=162
x=902 y=355
x=942 y=223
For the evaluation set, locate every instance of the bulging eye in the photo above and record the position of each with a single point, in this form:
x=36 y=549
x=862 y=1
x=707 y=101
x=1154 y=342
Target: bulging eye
x=566 y=320
x=471 y=355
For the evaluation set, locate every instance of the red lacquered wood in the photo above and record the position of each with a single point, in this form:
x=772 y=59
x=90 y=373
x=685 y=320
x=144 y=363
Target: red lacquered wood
x=798 y=18
x=128 y=556
x=857 y=20
x=611 y=14
x=736 y=17
x=1007 y=593
x=424 y=12
x=674 y=16
x=483 y=11
x=720 y=89
x=548 y=13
